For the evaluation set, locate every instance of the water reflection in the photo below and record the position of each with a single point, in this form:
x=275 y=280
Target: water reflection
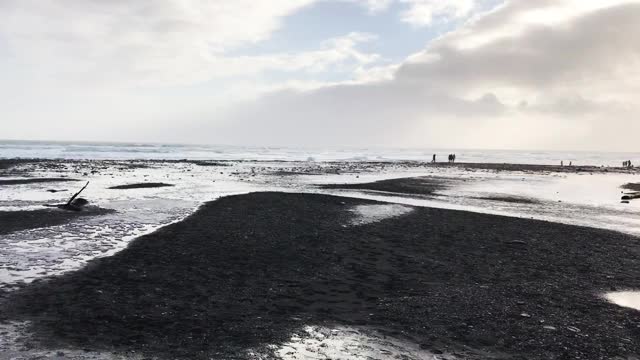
x=342 y=342
x=629 y=299
x=367 y=214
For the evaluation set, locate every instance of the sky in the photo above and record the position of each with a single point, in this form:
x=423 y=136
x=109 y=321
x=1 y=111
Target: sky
x=499 y=74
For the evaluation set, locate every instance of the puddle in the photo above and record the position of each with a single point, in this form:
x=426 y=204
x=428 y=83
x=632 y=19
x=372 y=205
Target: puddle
x=353 y=343
x=597 y=190
x=36 y=253
x=628 y=299
x=367 y=214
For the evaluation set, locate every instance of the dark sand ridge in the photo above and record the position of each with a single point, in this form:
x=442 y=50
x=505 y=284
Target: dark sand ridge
x=245 y=271
x=33 y=181
x=539 y=168
x=9 y=167
x=631 y=186
x=209 y=162
x=140 y=186
x=509 y=199
x=419 y=186
x=11 y=221
x=406 y=186
x=9 y=163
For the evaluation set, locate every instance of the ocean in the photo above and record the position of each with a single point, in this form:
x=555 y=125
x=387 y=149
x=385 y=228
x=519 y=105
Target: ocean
x=129 y=151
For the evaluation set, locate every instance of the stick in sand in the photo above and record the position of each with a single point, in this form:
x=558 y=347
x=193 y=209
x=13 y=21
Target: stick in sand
x=76 y=194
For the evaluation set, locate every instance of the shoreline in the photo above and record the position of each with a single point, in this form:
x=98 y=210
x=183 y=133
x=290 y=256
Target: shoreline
x=7 y=164
x=235 y=274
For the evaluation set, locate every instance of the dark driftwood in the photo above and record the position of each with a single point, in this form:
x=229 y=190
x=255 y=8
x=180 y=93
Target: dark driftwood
x=71 y=204
x=76 y=194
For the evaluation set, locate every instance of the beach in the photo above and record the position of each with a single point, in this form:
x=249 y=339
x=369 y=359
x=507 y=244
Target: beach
x=409 y=259
x=320 y=180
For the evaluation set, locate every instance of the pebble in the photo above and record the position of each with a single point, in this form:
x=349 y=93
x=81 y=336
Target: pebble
x=573 y=328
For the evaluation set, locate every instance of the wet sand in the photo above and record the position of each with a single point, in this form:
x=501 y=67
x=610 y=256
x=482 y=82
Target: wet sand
x=509 y=199
x=25 y=220
x=631 y=186
x=407 y=186
x=211 y=163
x=9 y=163
x=246 y=271
x=33 y=181
x=538 y=168
x=13 y=166
x=140 y=186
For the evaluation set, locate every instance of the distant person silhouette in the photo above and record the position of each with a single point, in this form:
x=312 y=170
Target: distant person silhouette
x=434 y=158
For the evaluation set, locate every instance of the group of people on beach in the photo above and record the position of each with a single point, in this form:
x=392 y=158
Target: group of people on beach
x=627 y=164
x=452 y=158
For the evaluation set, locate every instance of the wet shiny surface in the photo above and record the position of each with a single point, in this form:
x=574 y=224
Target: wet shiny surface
x=343 y=342
x=579 y=199
x=628 y=299
x=366 y=214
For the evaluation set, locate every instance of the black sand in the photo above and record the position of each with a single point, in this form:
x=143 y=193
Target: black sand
x=509 y=199
x=537 y=168
x=33 y=181
x=9 y=163
x=140 y=186
x=244 y=271
x=410 y=186
x=11 y=221
x=631 y=186
x=210 y=163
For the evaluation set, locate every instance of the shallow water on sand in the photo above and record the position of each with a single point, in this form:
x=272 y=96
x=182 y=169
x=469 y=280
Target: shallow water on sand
x=590 y=200
x=31 y=254
x=584 y=200
x=13 y=346
x=343 y=342
x=628 y=299
x=367 y=214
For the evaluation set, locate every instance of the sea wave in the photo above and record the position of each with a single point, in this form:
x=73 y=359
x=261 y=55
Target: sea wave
x=131 y=151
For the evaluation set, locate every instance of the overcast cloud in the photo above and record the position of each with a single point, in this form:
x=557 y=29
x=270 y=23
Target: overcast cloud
x=544 y=74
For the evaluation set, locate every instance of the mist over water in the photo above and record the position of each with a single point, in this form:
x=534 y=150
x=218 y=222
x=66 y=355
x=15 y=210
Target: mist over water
x=128 y=151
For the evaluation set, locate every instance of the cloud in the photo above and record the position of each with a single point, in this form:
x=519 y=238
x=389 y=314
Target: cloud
x=376 y=6
x=591 y=55
x=163 y=41
x=333 y=53
x=560 y=84
x=525 y=74
x=171 y=42
x=423 y=12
